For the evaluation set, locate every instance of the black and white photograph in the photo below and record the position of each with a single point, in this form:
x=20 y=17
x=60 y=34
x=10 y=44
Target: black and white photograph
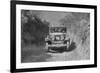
x=54 y=36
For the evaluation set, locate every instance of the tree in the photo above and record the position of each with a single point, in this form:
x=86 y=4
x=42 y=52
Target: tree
x=77 y=24
x=34 y=30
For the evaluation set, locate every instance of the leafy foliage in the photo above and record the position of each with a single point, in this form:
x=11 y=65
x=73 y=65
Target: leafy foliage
x=33 y=29
x=77 y=24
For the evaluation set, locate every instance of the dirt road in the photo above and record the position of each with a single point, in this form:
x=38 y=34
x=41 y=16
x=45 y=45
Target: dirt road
x=65 y=56
x=36 y=54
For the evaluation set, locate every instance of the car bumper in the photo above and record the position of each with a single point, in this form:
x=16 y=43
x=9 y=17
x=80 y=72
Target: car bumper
x=56 y=47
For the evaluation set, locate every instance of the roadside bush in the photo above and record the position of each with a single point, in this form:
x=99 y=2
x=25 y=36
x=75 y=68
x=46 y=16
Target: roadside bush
x=33 y=29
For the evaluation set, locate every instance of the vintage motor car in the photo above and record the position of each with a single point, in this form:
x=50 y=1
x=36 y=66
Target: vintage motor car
x=57 y=39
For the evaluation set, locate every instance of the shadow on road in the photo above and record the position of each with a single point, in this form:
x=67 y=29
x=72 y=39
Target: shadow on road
x=72 y=47
x=63 y=49
x=34 y=54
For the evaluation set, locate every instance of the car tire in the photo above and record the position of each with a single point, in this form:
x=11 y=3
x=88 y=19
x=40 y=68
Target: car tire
x=68 y=44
